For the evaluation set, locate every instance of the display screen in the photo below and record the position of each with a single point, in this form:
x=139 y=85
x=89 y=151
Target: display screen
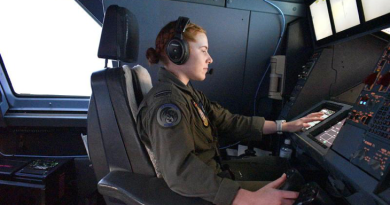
x=386 y=31
x=327 y=113
x=330 y=134
x=321 y=20
x=345 y=14
x=375 y=8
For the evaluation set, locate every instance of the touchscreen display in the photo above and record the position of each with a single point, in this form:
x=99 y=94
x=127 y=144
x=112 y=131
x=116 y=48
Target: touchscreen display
x=330 y=134
x=375 y=8
x=327 y=113
x=321 y=21
x=345 y=14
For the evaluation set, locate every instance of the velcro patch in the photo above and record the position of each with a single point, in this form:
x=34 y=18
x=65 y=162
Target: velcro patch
x=162 y=93
x=168 y=115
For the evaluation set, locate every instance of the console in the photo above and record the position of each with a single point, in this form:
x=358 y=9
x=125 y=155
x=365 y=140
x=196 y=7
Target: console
x=352 y=145
x=319 y=137
x=39 y=181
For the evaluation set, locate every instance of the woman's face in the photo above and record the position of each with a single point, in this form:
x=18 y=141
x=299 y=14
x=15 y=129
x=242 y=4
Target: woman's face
x=198 y=62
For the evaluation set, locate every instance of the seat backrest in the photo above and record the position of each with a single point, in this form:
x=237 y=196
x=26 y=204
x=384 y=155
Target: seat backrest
x=113 y=141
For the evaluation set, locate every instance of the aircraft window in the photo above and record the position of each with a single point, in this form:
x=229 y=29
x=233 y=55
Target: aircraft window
x=49 y=47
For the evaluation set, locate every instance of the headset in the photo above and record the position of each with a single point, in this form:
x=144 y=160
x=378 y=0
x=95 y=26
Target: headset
x=177 y=48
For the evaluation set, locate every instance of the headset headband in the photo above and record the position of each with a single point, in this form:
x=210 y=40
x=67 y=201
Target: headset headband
x=181 y=25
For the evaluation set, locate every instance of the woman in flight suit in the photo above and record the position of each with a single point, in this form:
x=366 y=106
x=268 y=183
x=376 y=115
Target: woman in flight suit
x=179 y=124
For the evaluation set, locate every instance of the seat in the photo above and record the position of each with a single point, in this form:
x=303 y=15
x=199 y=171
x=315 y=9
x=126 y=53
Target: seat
x=120 y=160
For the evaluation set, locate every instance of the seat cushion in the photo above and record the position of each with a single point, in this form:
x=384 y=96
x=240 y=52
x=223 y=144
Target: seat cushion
x=145 y=83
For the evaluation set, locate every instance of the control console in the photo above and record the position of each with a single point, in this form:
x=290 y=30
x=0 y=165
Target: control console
x=302 y=78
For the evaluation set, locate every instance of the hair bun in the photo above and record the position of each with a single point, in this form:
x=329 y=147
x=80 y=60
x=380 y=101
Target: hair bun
x=152 y=56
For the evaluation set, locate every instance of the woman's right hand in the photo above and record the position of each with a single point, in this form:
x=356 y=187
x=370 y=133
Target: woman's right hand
x=268 y=195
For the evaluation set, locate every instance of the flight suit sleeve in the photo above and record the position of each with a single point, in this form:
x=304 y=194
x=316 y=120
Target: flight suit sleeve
x=235 y=126
x=182 y=170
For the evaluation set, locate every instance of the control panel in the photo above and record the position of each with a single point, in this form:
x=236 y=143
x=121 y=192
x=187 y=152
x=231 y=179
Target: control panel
x=302 y=77
x=320 y=135
x=353 y=143
x=371 y=113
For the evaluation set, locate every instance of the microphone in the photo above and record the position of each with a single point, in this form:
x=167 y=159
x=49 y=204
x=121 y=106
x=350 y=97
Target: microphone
x=210 y=71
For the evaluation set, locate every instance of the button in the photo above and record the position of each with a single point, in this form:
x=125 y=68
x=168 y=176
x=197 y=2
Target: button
x=375 y=164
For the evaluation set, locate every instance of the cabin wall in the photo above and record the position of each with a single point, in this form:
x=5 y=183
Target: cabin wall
x=240 y=40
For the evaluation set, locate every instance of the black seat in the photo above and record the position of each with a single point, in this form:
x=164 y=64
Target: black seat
x=120 y=161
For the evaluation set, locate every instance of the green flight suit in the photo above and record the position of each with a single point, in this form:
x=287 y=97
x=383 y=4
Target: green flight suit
x=172 y=125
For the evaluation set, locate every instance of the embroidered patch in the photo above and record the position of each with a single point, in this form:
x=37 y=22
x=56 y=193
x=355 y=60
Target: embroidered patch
x=168 y=115
x=162 y=93
x=201 y=114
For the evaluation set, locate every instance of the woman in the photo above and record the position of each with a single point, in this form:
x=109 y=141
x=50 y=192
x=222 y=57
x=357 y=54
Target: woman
x=179 y=124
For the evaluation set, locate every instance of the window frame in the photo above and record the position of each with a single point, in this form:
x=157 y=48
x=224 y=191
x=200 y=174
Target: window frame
x=41 y=110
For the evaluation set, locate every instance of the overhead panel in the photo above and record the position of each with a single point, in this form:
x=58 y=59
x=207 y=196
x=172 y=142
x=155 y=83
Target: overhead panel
x=288 y=8
x=209 y=2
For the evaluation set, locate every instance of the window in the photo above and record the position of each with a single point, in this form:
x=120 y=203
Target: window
x=49 y=47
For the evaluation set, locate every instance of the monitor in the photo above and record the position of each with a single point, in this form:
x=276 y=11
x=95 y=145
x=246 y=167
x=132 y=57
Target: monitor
x=328 y=136
x=386 y=31
x=375 y=8
x=345 y=14
x=321 y=21
x=327 y=113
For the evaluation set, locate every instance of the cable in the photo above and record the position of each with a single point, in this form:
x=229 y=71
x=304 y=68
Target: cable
x=104 y=11
x=225 y=147
x=276 y=49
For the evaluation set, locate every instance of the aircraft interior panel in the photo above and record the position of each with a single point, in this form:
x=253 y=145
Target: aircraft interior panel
x=329 y=72
x=299 y=48
x=262 y=34
x=347 y=153
x=352 y=143
x=225 y=85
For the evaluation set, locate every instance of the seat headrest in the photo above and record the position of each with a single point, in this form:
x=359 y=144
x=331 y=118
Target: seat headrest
x=120 y=35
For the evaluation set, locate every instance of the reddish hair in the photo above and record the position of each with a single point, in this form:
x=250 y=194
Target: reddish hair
x=166 y=34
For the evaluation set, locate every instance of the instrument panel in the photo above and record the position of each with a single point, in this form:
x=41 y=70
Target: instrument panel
x=353 y=142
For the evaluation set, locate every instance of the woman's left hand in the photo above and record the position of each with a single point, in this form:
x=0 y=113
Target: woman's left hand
x=300 y=124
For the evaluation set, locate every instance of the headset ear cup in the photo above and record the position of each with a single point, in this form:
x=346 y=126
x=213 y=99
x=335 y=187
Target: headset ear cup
x=177 y=51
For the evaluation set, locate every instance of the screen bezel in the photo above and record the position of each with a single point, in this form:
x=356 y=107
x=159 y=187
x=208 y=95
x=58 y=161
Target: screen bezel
x=364 y=28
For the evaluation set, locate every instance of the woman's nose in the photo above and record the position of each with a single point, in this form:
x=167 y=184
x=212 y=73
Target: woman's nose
x=209 y=60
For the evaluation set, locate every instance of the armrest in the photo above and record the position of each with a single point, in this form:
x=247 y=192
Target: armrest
x=130 y=187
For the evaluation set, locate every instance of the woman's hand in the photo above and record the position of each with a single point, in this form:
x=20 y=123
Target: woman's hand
x=300 y=124
x=268 y=195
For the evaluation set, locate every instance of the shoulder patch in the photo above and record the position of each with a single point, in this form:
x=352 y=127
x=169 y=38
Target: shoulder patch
x=162 y=93
x=168 y=115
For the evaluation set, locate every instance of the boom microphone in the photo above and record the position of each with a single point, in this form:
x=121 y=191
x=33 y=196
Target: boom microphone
x=210 y=71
